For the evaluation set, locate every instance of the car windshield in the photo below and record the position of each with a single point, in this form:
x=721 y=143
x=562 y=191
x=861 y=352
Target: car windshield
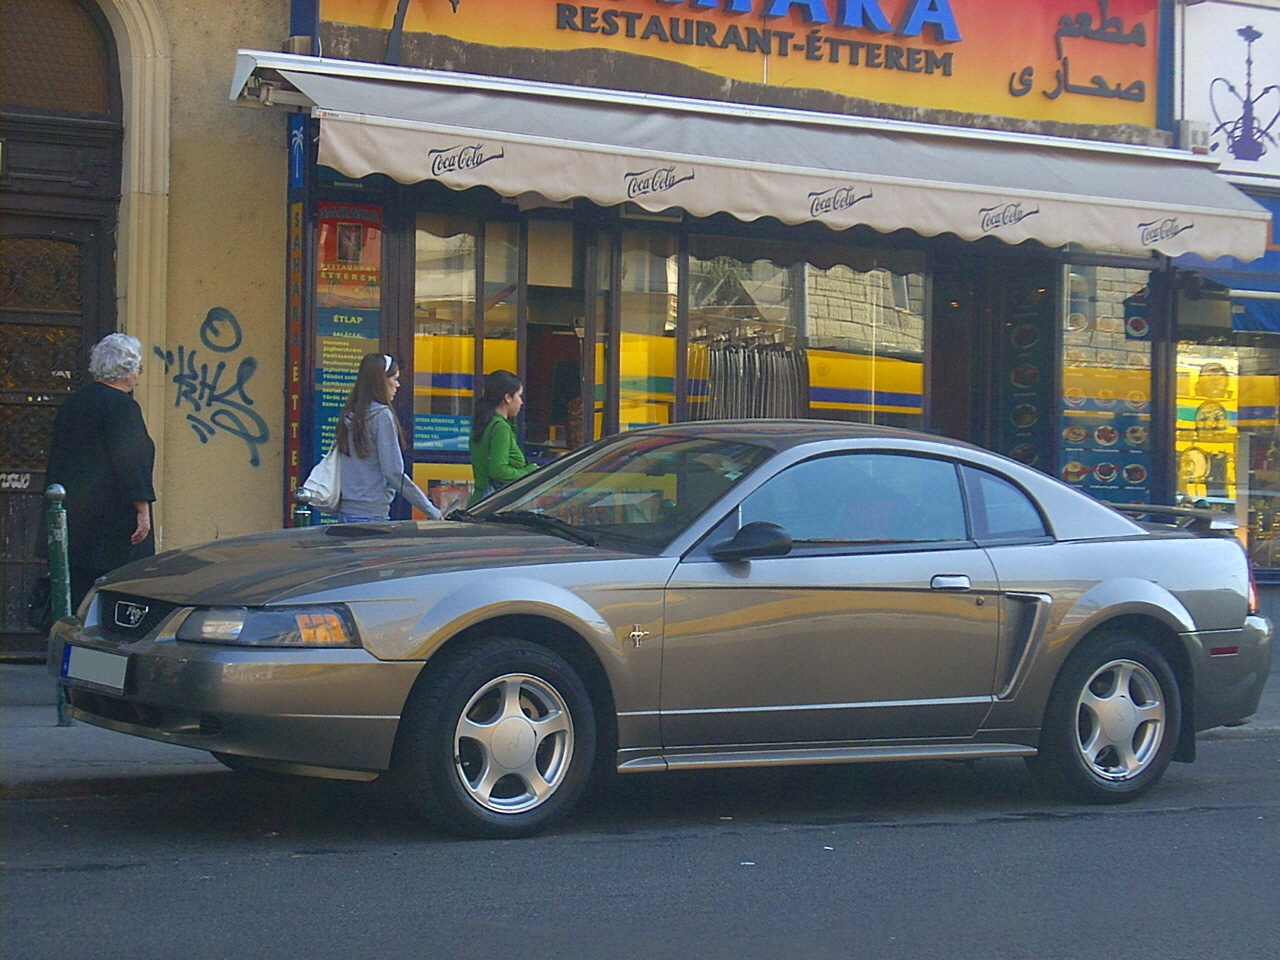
x=642 y=490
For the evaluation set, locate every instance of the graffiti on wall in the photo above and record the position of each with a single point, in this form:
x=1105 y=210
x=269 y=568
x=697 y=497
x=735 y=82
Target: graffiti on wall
x=217 y=400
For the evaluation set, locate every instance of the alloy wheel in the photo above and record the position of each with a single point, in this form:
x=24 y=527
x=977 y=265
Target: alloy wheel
x=513 y=743
x=1120 y=720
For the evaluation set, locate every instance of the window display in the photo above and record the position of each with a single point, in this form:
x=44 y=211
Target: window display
x=801 y=330
x=1228 y=440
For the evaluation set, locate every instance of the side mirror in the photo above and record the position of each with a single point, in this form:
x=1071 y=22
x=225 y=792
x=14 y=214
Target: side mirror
x=756 y=540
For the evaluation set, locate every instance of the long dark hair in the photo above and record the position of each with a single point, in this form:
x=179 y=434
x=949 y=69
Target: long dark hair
x=497 y=387
x=370 y=387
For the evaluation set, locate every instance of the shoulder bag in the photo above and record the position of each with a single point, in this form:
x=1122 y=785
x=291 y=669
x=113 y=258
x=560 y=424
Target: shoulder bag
x=324 y=482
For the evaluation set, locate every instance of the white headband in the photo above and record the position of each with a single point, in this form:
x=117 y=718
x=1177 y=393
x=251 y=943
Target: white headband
x=389 y=360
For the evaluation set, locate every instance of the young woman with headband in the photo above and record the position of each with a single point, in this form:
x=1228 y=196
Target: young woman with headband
x=371 y=443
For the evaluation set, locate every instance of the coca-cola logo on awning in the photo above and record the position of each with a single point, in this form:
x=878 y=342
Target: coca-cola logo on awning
x=1155 y=231
x=467 y=156
x=835 y=200
x=653 y=180
x=1003 y=215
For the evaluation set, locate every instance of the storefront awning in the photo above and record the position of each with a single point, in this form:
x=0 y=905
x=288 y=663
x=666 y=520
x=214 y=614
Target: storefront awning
x=1255 y=306
x=612 y=147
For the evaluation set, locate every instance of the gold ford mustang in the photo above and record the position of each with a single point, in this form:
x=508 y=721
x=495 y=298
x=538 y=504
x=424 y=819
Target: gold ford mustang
x=703 y=595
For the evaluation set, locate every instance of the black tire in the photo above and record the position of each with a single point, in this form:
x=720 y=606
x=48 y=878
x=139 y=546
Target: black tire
x=498 y=742
x=1112 y=723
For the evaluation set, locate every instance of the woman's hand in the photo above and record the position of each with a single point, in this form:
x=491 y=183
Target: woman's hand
x=144 y=522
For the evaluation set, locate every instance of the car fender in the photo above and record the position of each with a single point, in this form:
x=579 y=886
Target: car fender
x=479 y=599
x=1100 y=604
x=1124 y=596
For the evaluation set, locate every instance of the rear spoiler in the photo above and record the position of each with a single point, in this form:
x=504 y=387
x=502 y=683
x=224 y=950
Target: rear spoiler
x=1187 y=518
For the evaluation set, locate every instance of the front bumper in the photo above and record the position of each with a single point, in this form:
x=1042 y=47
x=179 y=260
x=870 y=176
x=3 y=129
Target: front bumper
x=310 y=710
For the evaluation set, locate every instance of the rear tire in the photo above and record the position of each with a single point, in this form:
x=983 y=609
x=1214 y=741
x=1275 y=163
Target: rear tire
x=1112 y=723
x=498 y=743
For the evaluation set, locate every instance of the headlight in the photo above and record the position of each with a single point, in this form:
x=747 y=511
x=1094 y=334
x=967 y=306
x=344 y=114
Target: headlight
x=270 y=627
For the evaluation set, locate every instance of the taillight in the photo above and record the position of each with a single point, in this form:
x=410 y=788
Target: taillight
x=1254 y=605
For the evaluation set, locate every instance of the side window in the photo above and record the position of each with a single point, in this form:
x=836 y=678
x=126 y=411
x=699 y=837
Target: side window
x=1000 y=510
x=863 y=498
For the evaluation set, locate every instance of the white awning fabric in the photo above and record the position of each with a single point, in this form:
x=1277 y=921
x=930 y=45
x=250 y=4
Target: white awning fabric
x=611 y=147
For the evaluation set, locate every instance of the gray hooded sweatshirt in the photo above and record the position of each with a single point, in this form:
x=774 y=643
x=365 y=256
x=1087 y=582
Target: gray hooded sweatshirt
x=370 y=484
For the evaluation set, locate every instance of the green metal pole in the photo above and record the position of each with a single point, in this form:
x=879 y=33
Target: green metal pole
x=303 y=515
x=59 y=575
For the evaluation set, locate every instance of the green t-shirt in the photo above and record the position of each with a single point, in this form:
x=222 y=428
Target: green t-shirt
x=496 y=458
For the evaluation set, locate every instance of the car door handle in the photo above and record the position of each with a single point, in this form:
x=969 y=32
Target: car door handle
x=950 y=581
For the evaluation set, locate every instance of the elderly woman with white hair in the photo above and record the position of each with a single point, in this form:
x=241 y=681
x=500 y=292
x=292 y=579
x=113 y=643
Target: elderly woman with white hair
x=101 y=453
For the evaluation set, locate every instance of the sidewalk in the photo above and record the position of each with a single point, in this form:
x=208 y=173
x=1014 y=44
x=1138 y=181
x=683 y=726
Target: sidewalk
x=40 y=759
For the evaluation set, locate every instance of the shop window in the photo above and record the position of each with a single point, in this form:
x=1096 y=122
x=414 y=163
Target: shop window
x=501 y=282
x=444 y=316
x=555 y=332
x=800 y=330
x=647 y=347
x=1228 y=434
x=1104 y=448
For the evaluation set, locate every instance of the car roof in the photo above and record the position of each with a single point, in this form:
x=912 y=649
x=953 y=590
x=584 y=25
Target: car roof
x=784 y=434
x=1073 y=514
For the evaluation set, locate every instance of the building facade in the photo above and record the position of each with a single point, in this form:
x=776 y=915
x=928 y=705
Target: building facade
x=133 y=197
x=1227 y=311
x=968 y=217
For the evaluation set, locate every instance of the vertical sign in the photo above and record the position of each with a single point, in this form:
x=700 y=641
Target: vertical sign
x=293 y=361
x=348 y=296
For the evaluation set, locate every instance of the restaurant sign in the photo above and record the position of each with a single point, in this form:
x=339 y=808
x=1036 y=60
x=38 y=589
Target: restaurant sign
x=1078 y=61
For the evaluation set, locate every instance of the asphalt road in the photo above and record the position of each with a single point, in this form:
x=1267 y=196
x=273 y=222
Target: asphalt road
x=926 y=860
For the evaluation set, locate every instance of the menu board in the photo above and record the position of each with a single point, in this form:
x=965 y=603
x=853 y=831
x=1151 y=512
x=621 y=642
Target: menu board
x=348 y=306
x=1026 y=387
x=1106 y=433
x=1104 y=448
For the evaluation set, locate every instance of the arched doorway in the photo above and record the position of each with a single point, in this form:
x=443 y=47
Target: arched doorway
x=60 y=157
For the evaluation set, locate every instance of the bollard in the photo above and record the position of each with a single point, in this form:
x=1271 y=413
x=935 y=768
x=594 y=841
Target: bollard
x=303 y=514
x=59 y=575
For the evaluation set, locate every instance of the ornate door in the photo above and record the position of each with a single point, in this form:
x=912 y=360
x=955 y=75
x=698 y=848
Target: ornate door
x=50 y=313
x=60 y=137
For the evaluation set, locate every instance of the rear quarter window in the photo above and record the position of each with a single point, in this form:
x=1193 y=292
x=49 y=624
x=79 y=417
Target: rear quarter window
x=1000 y=510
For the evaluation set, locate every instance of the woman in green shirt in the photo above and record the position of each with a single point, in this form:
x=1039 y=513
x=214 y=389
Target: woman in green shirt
x=496 y=459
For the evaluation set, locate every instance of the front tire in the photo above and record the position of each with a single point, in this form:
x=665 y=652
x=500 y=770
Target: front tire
x=1112 y=722
x=498 y=743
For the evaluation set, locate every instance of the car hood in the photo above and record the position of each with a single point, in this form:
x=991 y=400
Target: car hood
x=266 y=567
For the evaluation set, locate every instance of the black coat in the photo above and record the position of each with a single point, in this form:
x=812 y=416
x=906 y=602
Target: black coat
x=102 y=454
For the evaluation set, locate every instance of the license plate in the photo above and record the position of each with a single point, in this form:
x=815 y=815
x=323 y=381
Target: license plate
x=97 y=667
